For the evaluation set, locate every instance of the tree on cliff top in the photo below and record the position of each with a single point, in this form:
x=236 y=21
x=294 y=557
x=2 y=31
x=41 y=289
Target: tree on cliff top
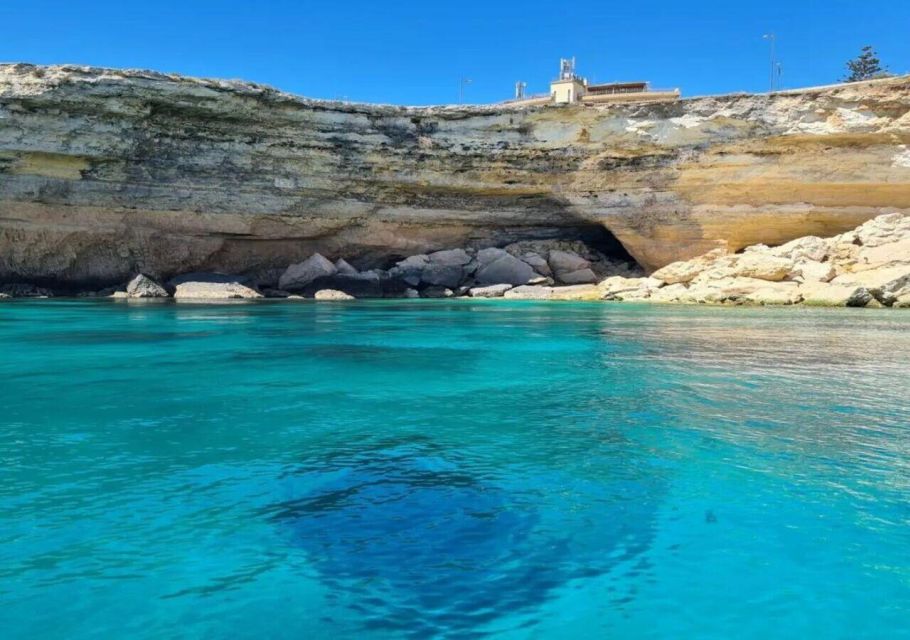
x=866 y=66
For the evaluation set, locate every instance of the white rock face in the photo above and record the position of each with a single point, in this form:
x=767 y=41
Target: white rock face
x=298 y=276
x=762 y=266
x=868 y=266
x=332 y=294
x=688 y=270
x=211 y=286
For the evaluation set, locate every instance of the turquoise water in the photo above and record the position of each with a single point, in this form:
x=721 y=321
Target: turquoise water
x=453 y=469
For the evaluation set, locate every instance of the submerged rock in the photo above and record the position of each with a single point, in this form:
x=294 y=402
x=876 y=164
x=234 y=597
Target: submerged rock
x=411 y=525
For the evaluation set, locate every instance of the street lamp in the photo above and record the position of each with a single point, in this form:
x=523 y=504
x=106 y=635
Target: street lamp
x=771 y=38
x=461 y=86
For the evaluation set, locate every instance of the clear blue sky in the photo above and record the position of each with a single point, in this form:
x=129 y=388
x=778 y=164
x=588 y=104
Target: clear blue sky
x=415 y=53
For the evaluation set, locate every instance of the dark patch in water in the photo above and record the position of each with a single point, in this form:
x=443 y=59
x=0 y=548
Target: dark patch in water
x=429 y=547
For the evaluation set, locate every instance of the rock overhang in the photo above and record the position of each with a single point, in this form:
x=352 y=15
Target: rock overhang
x=105 y=173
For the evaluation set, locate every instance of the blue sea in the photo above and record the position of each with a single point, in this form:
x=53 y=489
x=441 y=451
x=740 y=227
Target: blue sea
x=452 y=469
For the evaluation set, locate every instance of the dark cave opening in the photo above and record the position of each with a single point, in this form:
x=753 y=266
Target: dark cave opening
x=602 y=239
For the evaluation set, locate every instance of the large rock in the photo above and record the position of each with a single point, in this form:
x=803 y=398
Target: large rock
x=620 y=288
x=342 y=267
x=688 y=270
x=885 y=283
x=827 y=294
x=144 y=287
x=742 y=290
x=489 y=291
x=762 y=266
x=570 y=268
x=450 y=257
x=579 y=292
x=298 y=276
x=566 y=261
x=881 y=230
x=586 y=292
x=811 y=271
x=444 y=275
x=410 y=269
x=808 y=248
x=670 y=294
x=332 y=294
x=211 y=286
x=496 y=266
x=537 y=262
x=580 y=276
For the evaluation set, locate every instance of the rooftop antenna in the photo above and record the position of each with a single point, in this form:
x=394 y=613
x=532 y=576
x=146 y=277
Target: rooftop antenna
x=520 y=90
x=567 y=68
x=771 y=38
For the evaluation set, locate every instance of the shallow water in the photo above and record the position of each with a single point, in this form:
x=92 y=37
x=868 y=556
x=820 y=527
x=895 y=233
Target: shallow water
x=453 y=469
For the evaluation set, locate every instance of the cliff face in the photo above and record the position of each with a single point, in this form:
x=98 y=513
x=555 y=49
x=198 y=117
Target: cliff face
x=104 y=173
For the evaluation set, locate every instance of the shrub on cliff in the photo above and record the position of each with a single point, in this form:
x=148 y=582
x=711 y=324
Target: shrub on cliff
x=865 y=66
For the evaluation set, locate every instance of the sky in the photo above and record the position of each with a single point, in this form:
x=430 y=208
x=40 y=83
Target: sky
x=419 y=52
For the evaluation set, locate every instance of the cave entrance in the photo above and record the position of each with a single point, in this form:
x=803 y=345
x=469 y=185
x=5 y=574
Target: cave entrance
x=602 y=239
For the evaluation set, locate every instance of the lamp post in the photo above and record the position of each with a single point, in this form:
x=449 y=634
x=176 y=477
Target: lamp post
x=461 y=85
x=771 y=38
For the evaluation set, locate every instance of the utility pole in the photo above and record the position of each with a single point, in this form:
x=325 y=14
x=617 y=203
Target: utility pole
x=461 y=85
x=771 y=38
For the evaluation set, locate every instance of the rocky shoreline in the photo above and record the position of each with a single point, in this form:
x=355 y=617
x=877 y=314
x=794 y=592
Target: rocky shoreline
x=866 y=267
x=108 y=173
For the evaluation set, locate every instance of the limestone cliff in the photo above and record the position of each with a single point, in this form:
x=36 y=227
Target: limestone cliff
x=106 y=173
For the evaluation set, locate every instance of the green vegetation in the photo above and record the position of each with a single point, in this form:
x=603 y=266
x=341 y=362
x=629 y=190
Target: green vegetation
x=866 y=66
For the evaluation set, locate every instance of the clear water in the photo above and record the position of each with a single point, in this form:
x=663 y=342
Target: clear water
x=455 y=469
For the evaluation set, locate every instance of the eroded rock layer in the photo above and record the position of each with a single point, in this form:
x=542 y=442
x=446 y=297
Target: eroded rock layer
x=105 y=173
